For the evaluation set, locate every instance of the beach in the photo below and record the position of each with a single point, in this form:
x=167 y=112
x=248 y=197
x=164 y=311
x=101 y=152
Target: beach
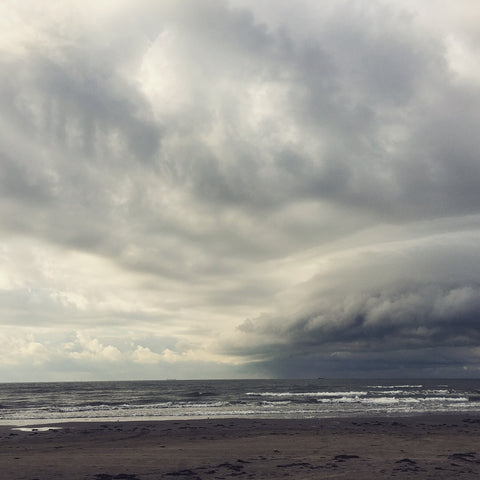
x=423 y=447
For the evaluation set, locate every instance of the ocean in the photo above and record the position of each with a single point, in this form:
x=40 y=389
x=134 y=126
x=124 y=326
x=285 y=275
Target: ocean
x=41 y=403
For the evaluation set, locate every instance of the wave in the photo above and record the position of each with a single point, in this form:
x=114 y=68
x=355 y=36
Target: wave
x=394 y=386
x=284 y=398
x=307 y=394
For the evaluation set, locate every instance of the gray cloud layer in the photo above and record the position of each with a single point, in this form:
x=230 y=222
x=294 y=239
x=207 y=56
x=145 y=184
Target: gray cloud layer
x=410 y=298
x=175 y=168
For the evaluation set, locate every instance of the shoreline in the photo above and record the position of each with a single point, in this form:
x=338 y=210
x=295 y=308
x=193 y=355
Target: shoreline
x=440 y=446
x=185 y=418
x=25 y=422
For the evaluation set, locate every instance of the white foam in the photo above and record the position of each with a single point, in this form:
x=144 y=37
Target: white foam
x=36 y=429
x=395 y=386
x=307 y=394
x=383 y=400
x=445 y=399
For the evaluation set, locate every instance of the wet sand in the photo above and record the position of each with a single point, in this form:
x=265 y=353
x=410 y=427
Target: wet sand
x=427 y=447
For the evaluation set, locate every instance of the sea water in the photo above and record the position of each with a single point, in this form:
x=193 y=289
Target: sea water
x=29 y=403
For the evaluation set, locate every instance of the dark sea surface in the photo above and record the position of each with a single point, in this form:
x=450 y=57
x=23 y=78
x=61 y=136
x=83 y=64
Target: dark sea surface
x=29 y=403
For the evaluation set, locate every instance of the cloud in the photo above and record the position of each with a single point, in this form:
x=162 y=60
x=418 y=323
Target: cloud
x=180 y=167
x=293 y=123
x=55 y=354
x=145 y=355
x=16 y=351
x=92 y=350
x=397 y=300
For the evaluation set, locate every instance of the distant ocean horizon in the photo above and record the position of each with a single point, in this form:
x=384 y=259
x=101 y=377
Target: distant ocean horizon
x=51 y=402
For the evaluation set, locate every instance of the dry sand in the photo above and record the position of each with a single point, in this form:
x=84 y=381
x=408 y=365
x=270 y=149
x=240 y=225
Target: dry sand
x=430 y=447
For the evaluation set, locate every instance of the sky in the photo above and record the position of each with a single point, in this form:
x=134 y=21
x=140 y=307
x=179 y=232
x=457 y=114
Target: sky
x=239 y=189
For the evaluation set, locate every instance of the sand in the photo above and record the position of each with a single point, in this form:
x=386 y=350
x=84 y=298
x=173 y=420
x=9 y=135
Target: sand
x=436 y=447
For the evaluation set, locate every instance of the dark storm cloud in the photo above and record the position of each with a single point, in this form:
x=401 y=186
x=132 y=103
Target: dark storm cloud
x=383 y=305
